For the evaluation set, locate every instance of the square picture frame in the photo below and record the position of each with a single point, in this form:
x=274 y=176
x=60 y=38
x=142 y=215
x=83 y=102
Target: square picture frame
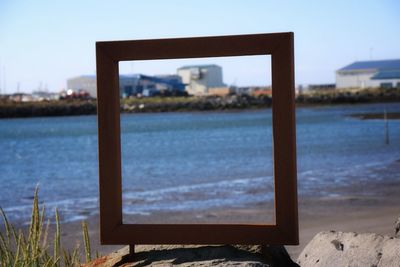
x=112 y=229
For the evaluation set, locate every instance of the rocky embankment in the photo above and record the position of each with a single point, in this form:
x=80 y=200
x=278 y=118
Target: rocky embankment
x=233 y=102
x=349 y=96
x=9 y=109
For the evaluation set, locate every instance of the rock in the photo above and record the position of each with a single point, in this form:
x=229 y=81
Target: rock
x=397 y=227
x=191 y=255
x=390 y=255
x=351 y=249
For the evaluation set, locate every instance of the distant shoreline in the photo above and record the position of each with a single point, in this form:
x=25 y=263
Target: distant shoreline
x=9 y=109
x=377 y=116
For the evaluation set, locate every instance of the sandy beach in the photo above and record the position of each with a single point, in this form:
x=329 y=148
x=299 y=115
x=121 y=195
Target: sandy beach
x=354 y=210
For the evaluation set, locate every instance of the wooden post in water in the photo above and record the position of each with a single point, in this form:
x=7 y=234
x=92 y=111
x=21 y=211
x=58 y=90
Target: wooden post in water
x=386 y=127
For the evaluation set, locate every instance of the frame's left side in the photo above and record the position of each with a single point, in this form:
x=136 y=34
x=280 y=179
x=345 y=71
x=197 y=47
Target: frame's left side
x=110 y=184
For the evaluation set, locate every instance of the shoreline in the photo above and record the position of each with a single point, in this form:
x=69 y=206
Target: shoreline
x=349 y=214
x=57 y=108
x=356 y=207
x=352 y=213
x=353 y=210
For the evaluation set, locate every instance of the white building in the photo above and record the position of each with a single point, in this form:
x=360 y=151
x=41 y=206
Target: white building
x=84 y=82
x=199 y=78
x=364 y=74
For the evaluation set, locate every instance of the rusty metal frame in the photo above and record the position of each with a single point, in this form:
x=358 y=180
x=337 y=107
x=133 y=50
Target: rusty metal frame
x=112 y=229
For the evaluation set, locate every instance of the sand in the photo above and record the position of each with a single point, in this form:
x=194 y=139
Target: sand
x=350 y=212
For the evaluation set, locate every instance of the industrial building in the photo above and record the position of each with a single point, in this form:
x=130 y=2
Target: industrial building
x=133 y=85
x=368 y=74
x=139 y=84
x=83 y=83
x=200 y=78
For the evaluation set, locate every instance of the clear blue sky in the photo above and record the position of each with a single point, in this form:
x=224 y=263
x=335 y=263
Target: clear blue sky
x=49 y=41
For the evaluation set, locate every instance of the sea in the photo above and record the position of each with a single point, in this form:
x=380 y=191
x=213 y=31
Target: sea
x=190 y=161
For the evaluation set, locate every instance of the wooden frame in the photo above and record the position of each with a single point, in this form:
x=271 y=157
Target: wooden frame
x=112 y=229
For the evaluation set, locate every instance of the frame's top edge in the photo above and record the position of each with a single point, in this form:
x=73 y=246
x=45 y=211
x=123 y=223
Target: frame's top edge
x=276 y=34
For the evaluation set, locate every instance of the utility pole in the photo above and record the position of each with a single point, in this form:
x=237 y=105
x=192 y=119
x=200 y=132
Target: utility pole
x=4 y=79
x=0 y=80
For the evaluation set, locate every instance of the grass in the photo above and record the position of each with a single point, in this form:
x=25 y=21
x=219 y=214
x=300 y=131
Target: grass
x=32 y=248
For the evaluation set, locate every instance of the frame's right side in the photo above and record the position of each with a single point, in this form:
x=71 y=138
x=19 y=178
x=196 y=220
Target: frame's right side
x=284 y=139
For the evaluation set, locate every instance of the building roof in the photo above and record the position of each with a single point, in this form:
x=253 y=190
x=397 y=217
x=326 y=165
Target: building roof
x=198 y=66
x=392 y=64
x=129 y=76
x=389 y=74
x=168 y=80
x=83 y=76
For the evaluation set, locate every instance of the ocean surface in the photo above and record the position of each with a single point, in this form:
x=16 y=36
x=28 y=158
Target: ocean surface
x=189 y=161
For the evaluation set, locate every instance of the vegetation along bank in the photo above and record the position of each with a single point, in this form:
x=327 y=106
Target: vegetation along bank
x=11 y=109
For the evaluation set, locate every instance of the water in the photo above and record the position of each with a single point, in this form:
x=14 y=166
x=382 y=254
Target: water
x=188 y=161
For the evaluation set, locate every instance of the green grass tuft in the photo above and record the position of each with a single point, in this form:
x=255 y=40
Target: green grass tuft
x=31 y=249
x=86 y=240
